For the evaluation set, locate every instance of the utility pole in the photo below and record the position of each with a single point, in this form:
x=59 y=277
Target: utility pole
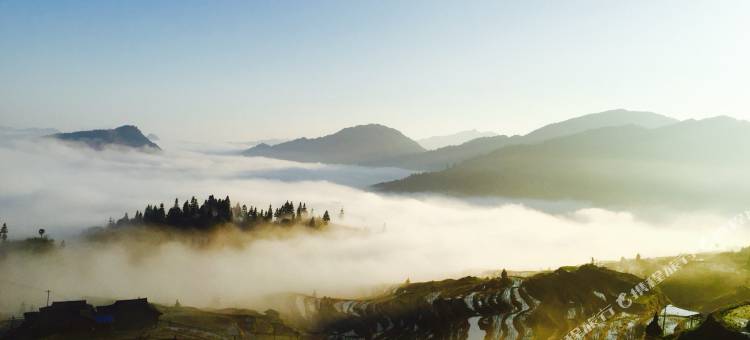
x=48 y=291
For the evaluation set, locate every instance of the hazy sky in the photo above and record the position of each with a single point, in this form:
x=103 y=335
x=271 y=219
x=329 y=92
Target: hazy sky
x=233 y=71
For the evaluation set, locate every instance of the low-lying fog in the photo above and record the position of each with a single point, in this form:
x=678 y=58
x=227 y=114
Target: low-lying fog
x=424 y=237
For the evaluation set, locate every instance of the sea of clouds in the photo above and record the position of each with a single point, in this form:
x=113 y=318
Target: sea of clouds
x=381 y=239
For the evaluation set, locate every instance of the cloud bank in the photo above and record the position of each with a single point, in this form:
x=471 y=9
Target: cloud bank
x=381 y=239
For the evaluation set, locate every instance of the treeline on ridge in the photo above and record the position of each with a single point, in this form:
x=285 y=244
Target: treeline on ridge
x=215 y=211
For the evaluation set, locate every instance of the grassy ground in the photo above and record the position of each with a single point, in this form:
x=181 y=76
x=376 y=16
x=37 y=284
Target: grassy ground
x=709 y=283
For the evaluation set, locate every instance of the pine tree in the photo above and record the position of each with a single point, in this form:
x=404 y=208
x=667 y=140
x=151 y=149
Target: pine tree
x=326 y=217
x=125 y=220
x=161 y=215
x=175 y=215
x=4 y=233
x=653 y=329
x=225 y=214
x=193 y=206
x=138 y=220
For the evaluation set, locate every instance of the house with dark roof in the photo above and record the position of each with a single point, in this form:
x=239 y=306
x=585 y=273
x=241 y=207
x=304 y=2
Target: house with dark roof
x=128 y=314
x=79 y=317
x=60 y=317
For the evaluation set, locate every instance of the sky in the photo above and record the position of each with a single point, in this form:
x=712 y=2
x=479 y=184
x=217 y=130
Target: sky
x=248 y=70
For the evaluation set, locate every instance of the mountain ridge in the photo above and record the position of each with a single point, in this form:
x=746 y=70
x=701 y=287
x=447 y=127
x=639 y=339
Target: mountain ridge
x=436 y=142
x=442 y=158
x=675 y=165
x=352 y=145
x=616 y=117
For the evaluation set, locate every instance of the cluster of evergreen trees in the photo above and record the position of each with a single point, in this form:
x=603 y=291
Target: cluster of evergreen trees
x=215 y=211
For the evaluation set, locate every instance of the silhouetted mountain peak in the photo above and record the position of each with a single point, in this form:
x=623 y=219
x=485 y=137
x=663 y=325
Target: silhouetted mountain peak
x=129 y=131
x=126 y=135
x=369 y=129
x=610 y=118
x=353 y=145
x=371 y=126
x=130 y=128
x=721 y=120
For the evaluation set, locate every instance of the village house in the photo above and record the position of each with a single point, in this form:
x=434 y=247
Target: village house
x=81 y=317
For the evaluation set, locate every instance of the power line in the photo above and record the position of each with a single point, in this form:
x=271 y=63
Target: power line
x=30 y=287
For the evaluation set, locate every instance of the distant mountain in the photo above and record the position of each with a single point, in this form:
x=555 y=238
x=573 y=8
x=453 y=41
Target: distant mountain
x=436 y=142
x=592 y=121
x=124 y=136
x=355 y=145
x=447 y=156
x=692 y=164
x=270 y=141
x=444 y=157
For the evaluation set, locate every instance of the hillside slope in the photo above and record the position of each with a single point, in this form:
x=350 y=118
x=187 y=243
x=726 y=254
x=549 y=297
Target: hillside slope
x=618 y=117
x=442 y=158
x=692 y=164
x=543 y=306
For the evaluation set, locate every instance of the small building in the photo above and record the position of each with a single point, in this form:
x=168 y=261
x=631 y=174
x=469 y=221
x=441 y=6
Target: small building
x=80 y=318
x=60 y=317
x=128 y=314
x=672 y=317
